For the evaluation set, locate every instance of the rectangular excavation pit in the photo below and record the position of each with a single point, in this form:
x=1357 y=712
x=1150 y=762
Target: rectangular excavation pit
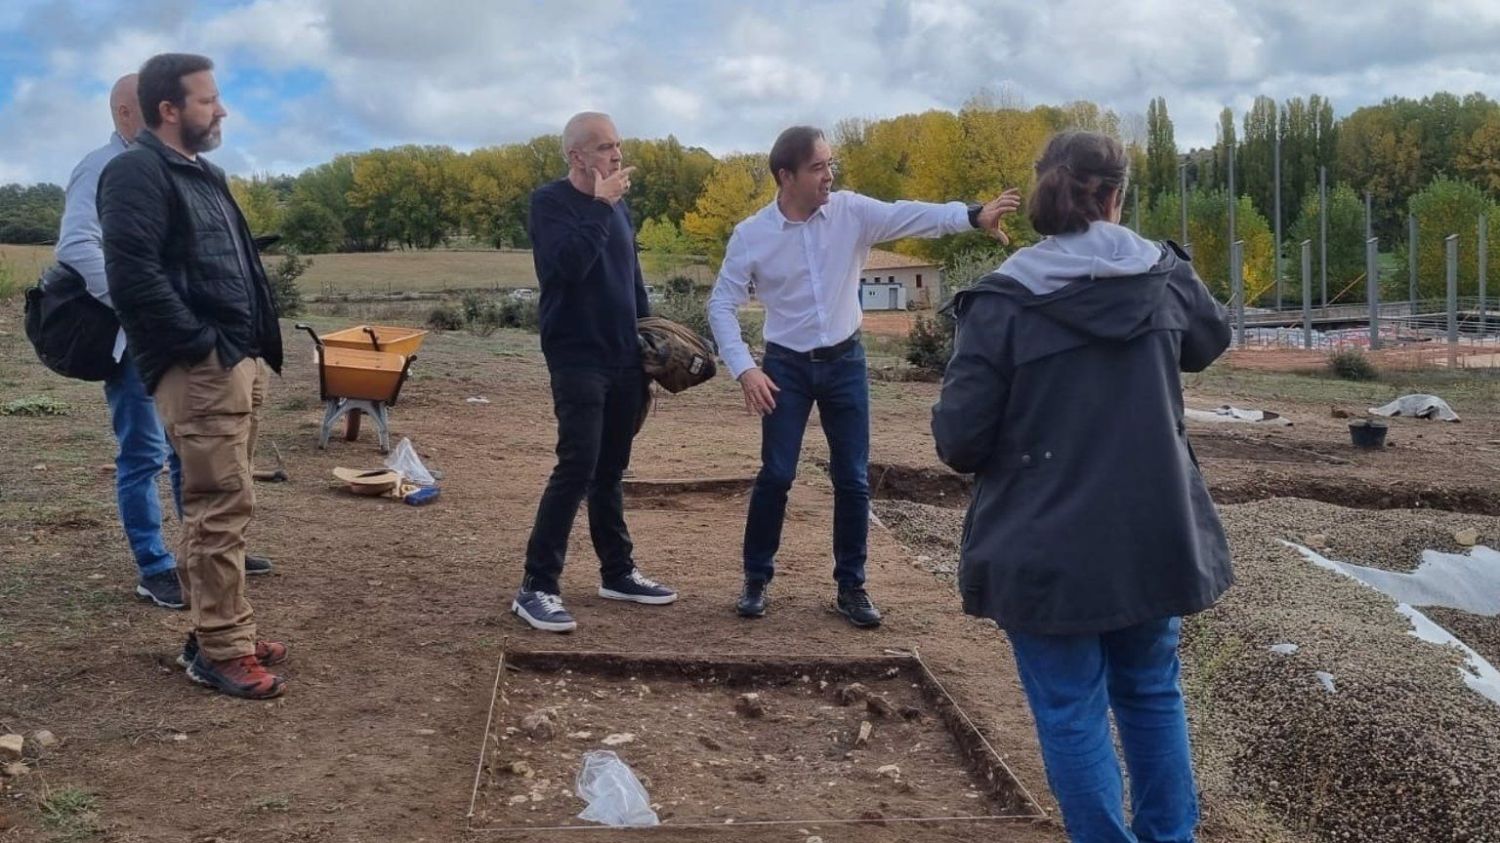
x=707 y=760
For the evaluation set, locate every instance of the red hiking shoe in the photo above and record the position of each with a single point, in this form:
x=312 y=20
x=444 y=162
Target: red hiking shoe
x=268 y=653
x=244 y=677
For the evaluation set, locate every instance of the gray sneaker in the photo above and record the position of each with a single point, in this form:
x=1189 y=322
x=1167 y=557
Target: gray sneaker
x=637 y=589
x=543 y=611
x=163 y=589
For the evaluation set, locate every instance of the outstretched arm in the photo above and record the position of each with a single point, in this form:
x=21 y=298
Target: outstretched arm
x=885 y=221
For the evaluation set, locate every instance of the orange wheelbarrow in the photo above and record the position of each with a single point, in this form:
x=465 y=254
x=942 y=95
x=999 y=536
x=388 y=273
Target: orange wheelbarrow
x=361 y=371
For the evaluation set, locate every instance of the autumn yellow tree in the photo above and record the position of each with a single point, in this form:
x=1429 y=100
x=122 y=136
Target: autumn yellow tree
x=1479 y=159
x=414 y=192
x=873 y=157
x=497 y=184
x=258 y=202
x=739 y=186
x=1208 y=233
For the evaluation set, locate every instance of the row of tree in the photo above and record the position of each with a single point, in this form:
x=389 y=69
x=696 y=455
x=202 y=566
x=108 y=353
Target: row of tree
x=1445 y=207
x=420 y=197
x=30 y=214
x=1438 y=157
x=1391 y=151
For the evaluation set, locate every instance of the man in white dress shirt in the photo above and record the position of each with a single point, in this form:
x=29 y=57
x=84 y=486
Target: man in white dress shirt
x=803 y=252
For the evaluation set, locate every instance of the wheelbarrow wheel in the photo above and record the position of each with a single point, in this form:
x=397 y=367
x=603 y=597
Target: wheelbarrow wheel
x=351 y=425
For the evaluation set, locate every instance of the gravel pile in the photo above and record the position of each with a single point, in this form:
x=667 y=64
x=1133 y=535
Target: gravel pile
x=1374 y=539
x=1400 y=749
x=1481 y=633
x=930 y=534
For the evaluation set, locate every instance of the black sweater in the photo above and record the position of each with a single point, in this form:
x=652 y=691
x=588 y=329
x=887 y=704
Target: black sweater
x=592 y=291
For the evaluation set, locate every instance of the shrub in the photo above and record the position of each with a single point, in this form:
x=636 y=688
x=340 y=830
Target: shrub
x=680 y=285
x=929 y=344
x=1351 y=364
x=445 y=318
x=487 y=317
x=283 y=277
x=521 y=313
x=473 y=303
x=690 y=309
x=35 y=405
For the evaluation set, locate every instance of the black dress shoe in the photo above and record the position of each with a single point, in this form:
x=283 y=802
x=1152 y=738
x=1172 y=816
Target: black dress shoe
x=854 y=604
x=257 y=565
x=752 y=602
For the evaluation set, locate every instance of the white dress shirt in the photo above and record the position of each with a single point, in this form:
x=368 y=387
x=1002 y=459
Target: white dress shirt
x=807 y=273
x=80 y=243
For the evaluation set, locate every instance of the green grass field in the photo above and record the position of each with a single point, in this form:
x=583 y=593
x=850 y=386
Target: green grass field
x=387 y=272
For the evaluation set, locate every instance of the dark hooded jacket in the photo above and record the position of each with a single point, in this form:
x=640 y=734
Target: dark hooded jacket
x=1064 y=398
x=183 y=272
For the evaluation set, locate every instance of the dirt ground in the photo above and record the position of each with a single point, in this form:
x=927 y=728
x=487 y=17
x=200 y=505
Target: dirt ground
x=396 y=615
x=771 y=740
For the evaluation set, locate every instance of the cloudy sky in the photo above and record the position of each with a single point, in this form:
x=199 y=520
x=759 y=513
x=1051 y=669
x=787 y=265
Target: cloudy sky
x=305 y=79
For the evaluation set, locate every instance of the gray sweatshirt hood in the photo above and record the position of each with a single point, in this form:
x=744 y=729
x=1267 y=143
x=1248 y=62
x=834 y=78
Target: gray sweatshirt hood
x=1106 y=250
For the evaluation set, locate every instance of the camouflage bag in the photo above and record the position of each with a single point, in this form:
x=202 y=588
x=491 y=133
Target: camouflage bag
x=674 y=355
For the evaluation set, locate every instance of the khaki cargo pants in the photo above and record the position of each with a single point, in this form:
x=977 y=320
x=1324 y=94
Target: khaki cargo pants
x=210 y=417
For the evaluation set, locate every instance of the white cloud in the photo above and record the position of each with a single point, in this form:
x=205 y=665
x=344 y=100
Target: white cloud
x=717 y=73
x=676 y=102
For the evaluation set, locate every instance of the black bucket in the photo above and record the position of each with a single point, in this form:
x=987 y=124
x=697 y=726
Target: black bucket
x=1368 y=434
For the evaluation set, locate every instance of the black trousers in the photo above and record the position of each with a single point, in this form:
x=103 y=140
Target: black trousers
x=596 y=410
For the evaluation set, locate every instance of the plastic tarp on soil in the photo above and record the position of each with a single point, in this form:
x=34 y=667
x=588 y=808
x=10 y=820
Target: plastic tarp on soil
x=1418 y=407
x=1469 y=583
x=1227 y=413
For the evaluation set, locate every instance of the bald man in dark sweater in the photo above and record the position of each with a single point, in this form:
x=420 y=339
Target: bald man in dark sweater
x=592 y=293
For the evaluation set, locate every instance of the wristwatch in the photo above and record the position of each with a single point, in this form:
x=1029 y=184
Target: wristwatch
x=974 y=210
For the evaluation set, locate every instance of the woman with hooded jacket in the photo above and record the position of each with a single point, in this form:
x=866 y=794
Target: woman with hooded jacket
x=1091 y=532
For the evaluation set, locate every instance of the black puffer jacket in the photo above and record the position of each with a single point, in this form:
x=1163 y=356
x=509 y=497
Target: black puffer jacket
x=183 y=272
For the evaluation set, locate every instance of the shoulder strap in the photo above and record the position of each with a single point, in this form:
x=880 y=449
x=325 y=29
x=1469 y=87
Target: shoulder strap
x=1178 y=250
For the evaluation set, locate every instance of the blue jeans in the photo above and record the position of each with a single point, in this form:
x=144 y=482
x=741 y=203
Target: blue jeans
x=1072 y=683
x=841 y=390
x=143 y=449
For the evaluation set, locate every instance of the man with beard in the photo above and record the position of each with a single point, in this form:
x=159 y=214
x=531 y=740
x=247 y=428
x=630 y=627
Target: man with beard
x=201 y=326
x=132 y=414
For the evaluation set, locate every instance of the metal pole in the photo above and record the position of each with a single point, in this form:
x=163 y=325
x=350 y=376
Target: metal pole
x=1276 y=176
x=1369 y=223
x=1182 y=199
x=1231 y=193
x=1307 y=294
x=1452 y=243
x=1372 y=288
x=1411 y=259
x=1323 y=228
x=1237 y=288
x=1484 y=269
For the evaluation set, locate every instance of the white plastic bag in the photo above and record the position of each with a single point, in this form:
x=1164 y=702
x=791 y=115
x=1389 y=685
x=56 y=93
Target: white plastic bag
x=404 y=459
x=614 y=794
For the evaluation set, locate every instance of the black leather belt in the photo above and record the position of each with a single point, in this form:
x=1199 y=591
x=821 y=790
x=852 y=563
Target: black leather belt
x=817 y=355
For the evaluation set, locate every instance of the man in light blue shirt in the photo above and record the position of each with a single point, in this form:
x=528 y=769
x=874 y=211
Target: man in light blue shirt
x=803 y=253
x=138 y=431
